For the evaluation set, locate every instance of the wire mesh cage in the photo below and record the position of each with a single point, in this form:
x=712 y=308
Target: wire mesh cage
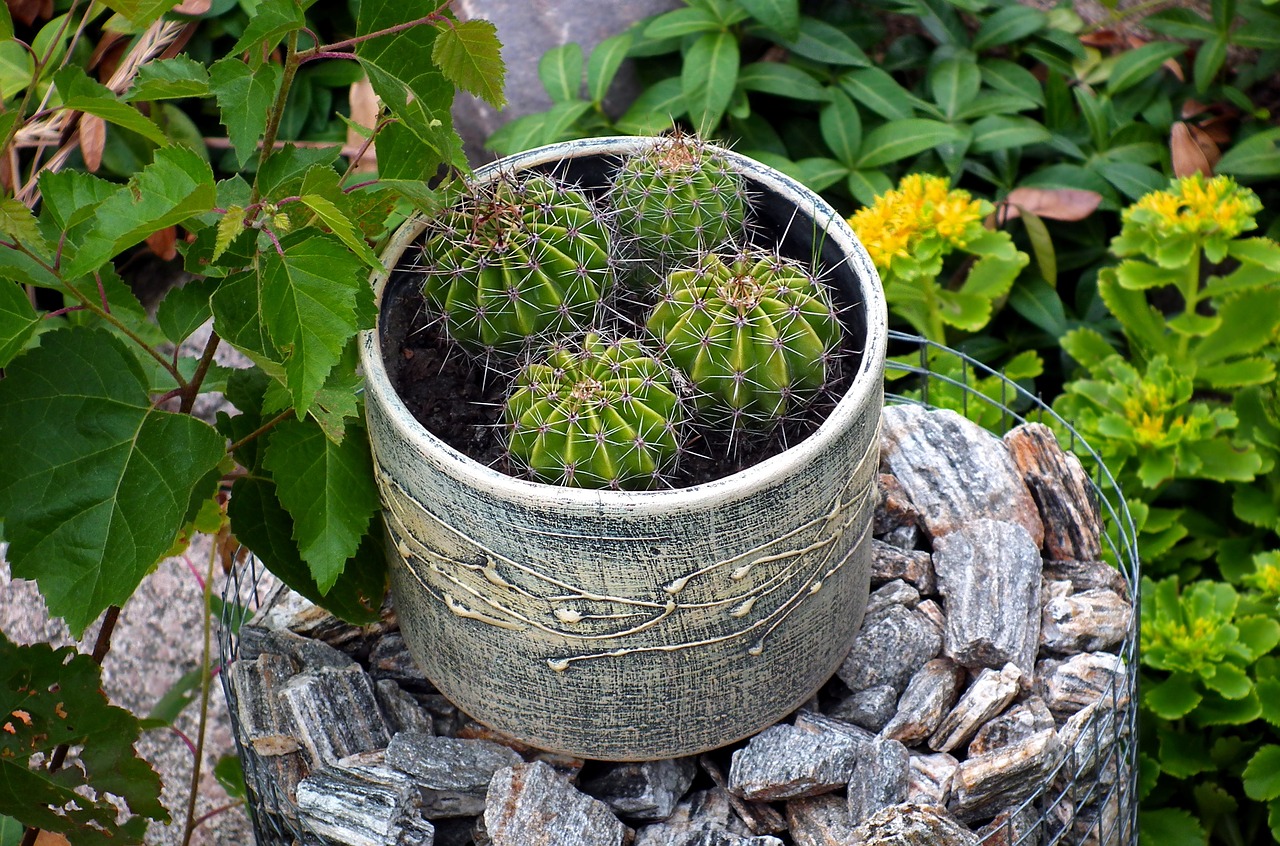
x=1089 y=799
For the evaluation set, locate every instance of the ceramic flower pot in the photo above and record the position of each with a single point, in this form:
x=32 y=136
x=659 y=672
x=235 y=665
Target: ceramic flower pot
x=637 y=625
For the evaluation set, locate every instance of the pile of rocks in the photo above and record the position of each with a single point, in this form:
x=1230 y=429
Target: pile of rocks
x=986 y=699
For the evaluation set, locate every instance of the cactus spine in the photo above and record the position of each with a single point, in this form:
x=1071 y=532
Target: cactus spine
x=752 y=336
x=605 y=414
x=516 y=259
x=678 y=198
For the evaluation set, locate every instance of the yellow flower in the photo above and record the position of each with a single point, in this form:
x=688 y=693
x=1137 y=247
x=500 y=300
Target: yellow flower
x=920 y=208
x=1195 y=206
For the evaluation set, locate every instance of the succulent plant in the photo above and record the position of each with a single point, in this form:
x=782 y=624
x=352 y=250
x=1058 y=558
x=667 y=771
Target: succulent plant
x=602 y=414
x=516 y=259
x=752 y=335
x=677 y=198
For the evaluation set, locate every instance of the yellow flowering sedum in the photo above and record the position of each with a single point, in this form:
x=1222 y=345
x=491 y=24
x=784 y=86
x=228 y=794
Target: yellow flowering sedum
x=919 y=218
x=1193 y=213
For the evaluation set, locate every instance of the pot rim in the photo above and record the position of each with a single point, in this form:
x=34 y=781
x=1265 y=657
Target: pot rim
x=865 y=387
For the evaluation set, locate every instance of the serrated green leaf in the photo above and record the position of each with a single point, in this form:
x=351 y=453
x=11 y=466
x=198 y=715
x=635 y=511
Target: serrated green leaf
x=340 y=226
x=169 y=79
x=51 y=697
x=954 y=83
x=18 y=225
x=603 y=65
x=270 y=22
x=560 y=70
x=70 y=197
x=879 y=92
x=230 y=226
x=1141 y=63
x=1142 y=323
x=781 y=81
x=83 y=94
x=184 y=310
x=17 y=67
x=174 y=187
x=327 y=488
x=841 y=127
x=1256 y=156
x=140 y=13
x=781 y=16
x=1170 y=827
x=18 y=321
x=309 y=306
x=1183 y=755
x=1230 y=681
x=1173 y=698
x=1259 y=634
x=707 y=79
x=822 y=42
x=1012 y=23
x=1262 y=775
x=244 y=97
x=1087 y=347
x=1269 y=696
x=260 y=522
x=470 y=56
x=1237 y=374
x=902 y=138
x=108 y=500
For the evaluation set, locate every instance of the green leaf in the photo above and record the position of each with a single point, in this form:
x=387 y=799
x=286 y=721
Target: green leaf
x=177 y=697
x=902 y=138
x=1134 y=275
x=6 y=23
x=70 y=197
x=470 y=56
x=954 y=83
x=1042 y=249
x=682 y=22
x=841 y=127
x=655 y=109
x=781 y=16
x=866 y=185
x=18 y=224
x=1256 y=156
x=1007 y=25
x=1262 y=775
x=1181 y=23
x=1170 y=827
x=270 y=22
x=555 y=124
x=169 y=79
x=707 y=79
x=1141 y=63
x=1173 y=698
x=329 y=491
x=140 y=13
x=822 y=42
x=89 y=518
x=1134 y=180
x=1040 y=304
x=560 y=70
x=1261 y=251
x=818 y=173
x=51 y=697
x=603 y=65
x=781 y=81
x=1209 y=60
x=1230 y=681
x=244 y=97
x=238 y=319
x=1087 y=347
x=879 y=92
x=11 y=830
x=341 y=226
x=184 y=310
x=1002 y=132
x=174 y=187
x=83 y=94
x=1144 y=326
x=1183 y=755
x=18 y=321
x=260 y=522
x=1248 y=325
x=230 y=774
x=1258 y=634
x=1237 y=374
x=16 y=68
x=1011 y=78
x=230 y=226
x=1269 y=695
x=310 y=301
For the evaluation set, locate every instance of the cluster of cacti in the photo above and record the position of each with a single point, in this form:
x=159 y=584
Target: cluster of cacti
x=525 y=264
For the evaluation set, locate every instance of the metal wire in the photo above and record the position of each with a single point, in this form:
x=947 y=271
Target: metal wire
x=1090 y=799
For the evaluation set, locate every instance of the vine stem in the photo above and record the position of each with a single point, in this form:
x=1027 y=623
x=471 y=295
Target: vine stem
x=431 y=18
x=206 y=678
x=276 y=114
x=192 y=389
x=101 y=646
x=262 y=430
x=97 y=309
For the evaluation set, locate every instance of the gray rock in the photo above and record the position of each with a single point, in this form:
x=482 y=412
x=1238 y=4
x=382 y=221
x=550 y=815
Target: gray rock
x=366 y=806
x=986 y=697
x=1061 y=489
x=879 y=779
x=784 y=762
x=929 y=697
x=1093 y=621
x=643 y=790
x=989 y=577
x=756 y=817
x=336 y=713
x=930 y=777
x=452 y=775
x=934 y=612
x=701 y=810
x=307 y=653
x=869 y=709
x=910 y=824
x=896 y=592
x=889 y=562
x=269 y=729
x=1089 y=738
x=1013 y=726
x=1012 y=828
x=390 y=659
x=895 y=510
x=533 y=805
x=819 y=820
x=984 y=785
x=400 y=710
x=954 y=471
x=1087 y=575
x=1083 y=680
x=889 y=649
x=661 y=834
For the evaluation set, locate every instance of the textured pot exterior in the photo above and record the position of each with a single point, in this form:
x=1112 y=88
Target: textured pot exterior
x=621 y=625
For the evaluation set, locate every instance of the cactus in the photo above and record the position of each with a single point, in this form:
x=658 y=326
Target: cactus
x=678 y=198
x=605 y=414
x=752 y=336
x=516 y=259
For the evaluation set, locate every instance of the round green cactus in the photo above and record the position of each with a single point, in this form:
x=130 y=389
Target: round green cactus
x=516 y=259
x=601 y=415
x=678 y=197
x=752 y=336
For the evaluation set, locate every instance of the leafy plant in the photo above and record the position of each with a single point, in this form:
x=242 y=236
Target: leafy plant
x=110 y=471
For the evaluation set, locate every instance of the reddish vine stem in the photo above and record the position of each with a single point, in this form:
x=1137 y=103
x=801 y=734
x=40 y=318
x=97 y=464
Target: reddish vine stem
x=262 y=430
x=192 y=390
x=101 y=646
x=434 y=17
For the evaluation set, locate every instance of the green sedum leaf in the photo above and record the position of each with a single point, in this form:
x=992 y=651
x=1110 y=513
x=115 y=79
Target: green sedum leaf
x=1262 y=775
x=1170 y=827
x=83 y=94
x=1173 y=698
x=97 y=481
x=50 y=697
x=469 y=56
x=327 y=488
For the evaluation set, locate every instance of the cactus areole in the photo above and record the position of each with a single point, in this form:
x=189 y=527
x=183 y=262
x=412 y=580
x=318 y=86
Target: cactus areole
x=591 y=618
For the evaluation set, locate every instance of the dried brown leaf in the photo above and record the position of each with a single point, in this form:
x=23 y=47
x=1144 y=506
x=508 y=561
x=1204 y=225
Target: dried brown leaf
x=1052 y=203
x=93 y=138
x=164 y=243
x=364 y=112
x=29 y=11
x=1101 y=38
x=193 y=7
x=1193 y=151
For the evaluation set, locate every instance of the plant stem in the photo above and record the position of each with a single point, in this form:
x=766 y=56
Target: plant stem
x=276 y=113
x=205 y=679
x=101 y=646
x=434 y=17
x=262 y=430
x=192 y=389
x=97 y=309
x=219 y=810
x=1189 y=287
